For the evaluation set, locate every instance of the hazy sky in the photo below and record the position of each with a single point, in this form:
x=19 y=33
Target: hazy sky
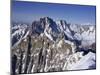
x=29 y=11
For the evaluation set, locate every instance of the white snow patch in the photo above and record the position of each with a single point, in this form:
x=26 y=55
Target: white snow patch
x=85 y=62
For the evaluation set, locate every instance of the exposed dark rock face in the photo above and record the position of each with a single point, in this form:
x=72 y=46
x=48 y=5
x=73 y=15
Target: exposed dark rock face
x=13 y=64
x=20 y=65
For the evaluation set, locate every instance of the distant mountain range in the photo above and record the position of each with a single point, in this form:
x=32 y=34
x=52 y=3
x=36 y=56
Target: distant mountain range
x=80 y=34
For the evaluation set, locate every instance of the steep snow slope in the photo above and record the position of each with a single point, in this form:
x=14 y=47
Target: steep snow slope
x=86 y=62
x=18 y=33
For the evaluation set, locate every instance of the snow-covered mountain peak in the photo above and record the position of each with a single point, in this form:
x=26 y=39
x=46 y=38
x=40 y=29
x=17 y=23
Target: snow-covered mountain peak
x=48 y=45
